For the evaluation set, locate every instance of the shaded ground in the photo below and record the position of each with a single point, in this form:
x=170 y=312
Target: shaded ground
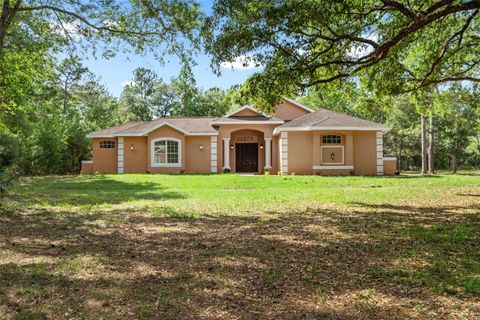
x=415 y=260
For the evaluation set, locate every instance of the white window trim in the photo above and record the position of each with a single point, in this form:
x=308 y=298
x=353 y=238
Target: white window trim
x=165 y=165
x=332 y=146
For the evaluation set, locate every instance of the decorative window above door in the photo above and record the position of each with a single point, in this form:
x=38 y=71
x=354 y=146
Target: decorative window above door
x=332 y=139
x=247 y=139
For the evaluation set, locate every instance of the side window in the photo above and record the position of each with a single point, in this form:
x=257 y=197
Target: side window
x=107 y=144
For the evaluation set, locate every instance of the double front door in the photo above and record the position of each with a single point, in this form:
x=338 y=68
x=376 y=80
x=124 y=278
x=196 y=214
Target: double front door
x=246 y=157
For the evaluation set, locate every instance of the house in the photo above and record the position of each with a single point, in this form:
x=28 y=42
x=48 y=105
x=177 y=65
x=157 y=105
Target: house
x=295 y=139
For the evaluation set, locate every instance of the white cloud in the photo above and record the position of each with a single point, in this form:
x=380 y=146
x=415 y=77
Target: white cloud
x=362 y=49
x=128 y=83
x=63 y=28
x=242 y=62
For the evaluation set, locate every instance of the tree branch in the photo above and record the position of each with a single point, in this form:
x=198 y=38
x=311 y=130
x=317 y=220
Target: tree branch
x=447 y=43
x=401 y=8
x=92 y=25
x=382 y=51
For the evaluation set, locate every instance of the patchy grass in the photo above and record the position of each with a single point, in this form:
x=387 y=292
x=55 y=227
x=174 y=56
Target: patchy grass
x=232 y=247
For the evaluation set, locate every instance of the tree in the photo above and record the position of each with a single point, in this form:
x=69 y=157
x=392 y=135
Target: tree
x=96 y=105
x=458 y=121
x=213 y=102
x=304 y=44
x=9 y=152
x=136 y=97
x=70 y=72
x=422 y=99
x=165 y=100
x=187 y=90
x=141 y=24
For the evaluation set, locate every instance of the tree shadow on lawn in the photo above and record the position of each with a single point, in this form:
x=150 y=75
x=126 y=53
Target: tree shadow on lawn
x=388 y=263
x=90 y=190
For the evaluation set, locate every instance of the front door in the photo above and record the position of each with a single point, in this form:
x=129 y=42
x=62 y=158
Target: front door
x=246 y=157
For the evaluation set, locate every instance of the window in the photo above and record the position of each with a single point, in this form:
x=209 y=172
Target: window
x=166 y=152
x=107 y=144
x=332 y=139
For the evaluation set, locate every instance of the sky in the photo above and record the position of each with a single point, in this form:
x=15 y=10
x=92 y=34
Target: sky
x=118 y=71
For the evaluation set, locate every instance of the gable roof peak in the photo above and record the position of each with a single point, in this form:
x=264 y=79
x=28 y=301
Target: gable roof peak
x=298 y=104
x=245 y=107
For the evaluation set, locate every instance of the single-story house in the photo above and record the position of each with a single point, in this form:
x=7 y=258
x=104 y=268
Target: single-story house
x=295 y=139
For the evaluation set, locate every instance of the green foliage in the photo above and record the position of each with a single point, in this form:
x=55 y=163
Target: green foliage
x=395 y=46
x=9 y=152
x=458 y=123
x=149 y=96
x=455 y=110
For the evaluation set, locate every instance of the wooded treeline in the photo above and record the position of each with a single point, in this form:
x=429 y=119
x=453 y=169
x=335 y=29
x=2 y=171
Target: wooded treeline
x=411 y=65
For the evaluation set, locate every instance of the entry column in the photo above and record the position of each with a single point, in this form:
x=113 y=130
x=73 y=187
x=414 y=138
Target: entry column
x=226 y=153
x=268 y=153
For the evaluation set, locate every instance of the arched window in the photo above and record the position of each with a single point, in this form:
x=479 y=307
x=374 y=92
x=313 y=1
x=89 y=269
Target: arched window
x=332 y=139
x=166 y=152
x=107 y=144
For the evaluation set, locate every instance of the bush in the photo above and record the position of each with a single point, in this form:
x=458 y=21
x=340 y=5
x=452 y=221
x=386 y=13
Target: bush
x=9 y=153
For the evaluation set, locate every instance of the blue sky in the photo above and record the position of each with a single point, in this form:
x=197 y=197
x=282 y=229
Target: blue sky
x=117 y=71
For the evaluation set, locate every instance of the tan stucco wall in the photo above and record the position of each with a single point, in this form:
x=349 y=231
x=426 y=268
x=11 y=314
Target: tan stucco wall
x=104 y=160
x=389 y=167
x=347 y=144
x=365 y=152
x=328 y=151
x=194 y=160
x=135 y=161
x=288 y=111
x=304 y=152
x=197 y=161
x=167 y=132
x=300 y=153
x=87 y=168
x=246 y=113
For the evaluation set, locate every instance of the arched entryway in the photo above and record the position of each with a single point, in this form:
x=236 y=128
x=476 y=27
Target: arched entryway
x=247 y=150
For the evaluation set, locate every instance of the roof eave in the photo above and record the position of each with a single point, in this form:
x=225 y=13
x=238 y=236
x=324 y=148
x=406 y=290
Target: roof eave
x=332 y=128
x=99 y=135
x=213 y=123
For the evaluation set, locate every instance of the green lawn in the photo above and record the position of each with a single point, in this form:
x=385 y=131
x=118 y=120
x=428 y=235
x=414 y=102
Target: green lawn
x=236 y=247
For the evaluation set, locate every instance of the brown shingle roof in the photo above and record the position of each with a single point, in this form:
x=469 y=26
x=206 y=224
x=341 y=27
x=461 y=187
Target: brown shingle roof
x=324 y=118
x=119 y=128
x=188 y=125
x=234 y=119
x=320 y=119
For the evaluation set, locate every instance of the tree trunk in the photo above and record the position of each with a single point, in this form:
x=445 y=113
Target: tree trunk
x=424 y=144
x=6 y=18
x=454 y=162
x=431 y=146
x=65 y=96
